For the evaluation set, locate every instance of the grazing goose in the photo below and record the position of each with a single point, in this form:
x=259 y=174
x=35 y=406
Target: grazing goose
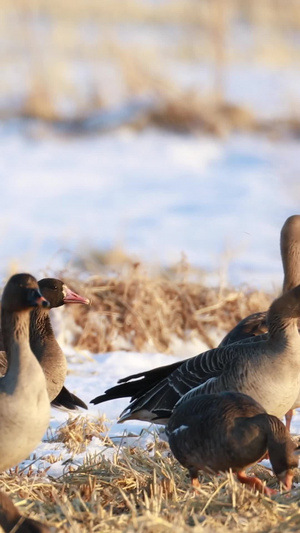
x=24 y=401
x=45 y=346
x=216 y=432
x=267 y=370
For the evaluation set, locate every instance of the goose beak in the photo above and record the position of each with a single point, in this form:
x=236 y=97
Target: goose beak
x=35 y=299
x=71 y=297
x=286 y=478
x=43 y=302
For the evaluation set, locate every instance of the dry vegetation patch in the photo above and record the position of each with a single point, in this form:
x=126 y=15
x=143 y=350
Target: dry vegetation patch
x=146 y=490
x=79 y=431
x=136 y=309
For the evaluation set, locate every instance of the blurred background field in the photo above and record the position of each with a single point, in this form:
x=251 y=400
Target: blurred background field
x=185 y=65
x=155 y=127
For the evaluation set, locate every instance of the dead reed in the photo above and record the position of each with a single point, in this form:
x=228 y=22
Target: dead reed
x=136 y=309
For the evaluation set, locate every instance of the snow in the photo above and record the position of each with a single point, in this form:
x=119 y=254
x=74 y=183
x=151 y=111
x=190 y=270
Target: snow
x=222 y=202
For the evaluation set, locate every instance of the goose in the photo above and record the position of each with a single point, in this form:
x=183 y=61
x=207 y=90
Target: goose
x=229 y=430
x=45 y=346
x=267 y=370
x=24 y=401
x=256 y=325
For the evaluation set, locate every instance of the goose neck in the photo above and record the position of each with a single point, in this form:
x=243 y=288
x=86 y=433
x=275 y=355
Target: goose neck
x=15 y=332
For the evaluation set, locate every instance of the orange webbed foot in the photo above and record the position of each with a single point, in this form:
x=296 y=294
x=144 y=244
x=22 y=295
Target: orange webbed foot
x=256 y=483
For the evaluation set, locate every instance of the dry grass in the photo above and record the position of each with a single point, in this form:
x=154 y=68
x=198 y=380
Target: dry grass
x=145 y=491
x=265 y=13
x=188 y=113
x=135 y=309
x=78 y=432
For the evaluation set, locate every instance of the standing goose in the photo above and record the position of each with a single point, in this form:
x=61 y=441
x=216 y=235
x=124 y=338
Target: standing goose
x=45 y=346
x=255 y=324
x=267 y=370
x=216 y=432
x=24 y=401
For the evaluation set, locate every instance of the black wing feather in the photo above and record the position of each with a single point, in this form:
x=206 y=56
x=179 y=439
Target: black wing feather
x=68 y=400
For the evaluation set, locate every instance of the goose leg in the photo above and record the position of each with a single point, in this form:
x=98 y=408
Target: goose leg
x=194 y=478
x=255 y=482
x=288 y=419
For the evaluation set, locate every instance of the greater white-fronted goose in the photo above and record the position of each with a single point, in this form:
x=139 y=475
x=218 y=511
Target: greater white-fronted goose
x=45 y=346
x=24 y=400
x=216 y=432
x=267 y=370
x=256 y=324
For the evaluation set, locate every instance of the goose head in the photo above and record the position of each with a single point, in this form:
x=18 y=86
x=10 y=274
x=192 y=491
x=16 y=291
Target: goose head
x=290 y=252
x=283 y=453
x=58 y=293
x=22 y=292
x=284 y=468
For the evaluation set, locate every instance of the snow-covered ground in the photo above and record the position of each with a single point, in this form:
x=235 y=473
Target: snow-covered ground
x=220 y=201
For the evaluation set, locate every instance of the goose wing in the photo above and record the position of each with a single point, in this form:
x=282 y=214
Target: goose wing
x=137 y=384
x=248 y=328
x=68 y=400
x=205 y=371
